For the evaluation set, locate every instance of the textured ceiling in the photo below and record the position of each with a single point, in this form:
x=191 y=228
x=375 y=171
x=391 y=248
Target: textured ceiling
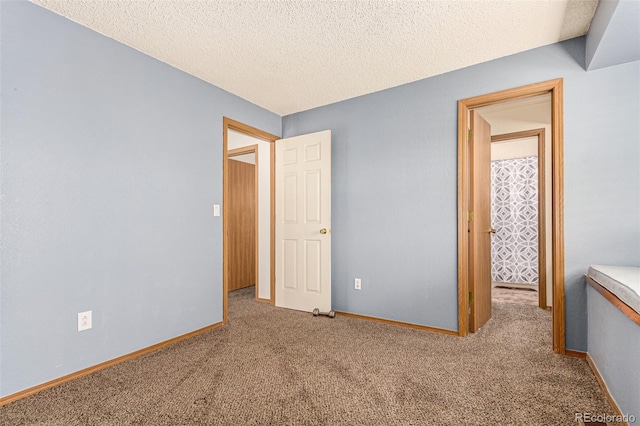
x=290 y=56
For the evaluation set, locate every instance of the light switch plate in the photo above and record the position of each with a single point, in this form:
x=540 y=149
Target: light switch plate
x=216 y=209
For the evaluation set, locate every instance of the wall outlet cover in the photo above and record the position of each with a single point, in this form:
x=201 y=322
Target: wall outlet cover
x=84 y=321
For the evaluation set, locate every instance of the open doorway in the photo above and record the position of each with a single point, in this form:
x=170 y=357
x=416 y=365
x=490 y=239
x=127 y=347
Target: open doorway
x=241 y=139
x=518 y=214
x=470 y=293
x=521 y=200
x=304 y=199
x=242 y=231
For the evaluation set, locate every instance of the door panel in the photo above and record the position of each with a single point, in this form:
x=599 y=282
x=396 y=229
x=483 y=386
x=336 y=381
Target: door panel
x=303 y=209
x=290 y=264
x=480 y=224
x=313 y=253
x=242 y=224
x=312 y=181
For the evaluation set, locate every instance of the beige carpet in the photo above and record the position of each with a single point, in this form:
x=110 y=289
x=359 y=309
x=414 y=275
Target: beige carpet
x=273 y=366
x=514 y=295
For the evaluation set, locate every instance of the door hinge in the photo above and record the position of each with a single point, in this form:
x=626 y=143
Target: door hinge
x=470 y=216
x=470 y=135
x=470 y=296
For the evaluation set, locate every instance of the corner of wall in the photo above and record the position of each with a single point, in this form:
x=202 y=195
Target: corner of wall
x=599 y=24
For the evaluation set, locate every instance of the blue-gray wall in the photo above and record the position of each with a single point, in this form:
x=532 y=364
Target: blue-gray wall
x=394 y=183
x=111 y=163
x=614 y=345
x=614 y=34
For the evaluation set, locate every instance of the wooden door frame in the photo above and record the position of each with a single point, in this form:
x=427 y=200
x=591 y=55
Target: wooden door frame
x=252 y=149
x=555 y=88
x=229 y=124
x=542 y=234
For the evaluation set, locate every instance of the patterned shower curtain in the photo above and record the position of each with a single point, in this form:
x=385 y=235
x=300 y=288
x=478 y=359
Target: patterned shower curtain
x=514 y=214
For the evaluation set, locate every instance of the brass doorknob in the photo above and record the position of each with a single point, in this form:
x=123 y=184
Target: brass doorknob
x=323 y=231
x=492 y=230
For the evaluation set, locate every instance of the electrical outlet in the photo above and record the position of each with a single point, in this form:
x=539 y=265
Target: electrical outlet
x=84 y=320
x=357 y=284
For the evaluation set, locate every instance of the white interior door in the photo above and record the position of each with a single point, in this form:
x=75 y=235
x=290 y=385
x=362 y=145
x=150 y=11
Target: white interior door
x=303 y=222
